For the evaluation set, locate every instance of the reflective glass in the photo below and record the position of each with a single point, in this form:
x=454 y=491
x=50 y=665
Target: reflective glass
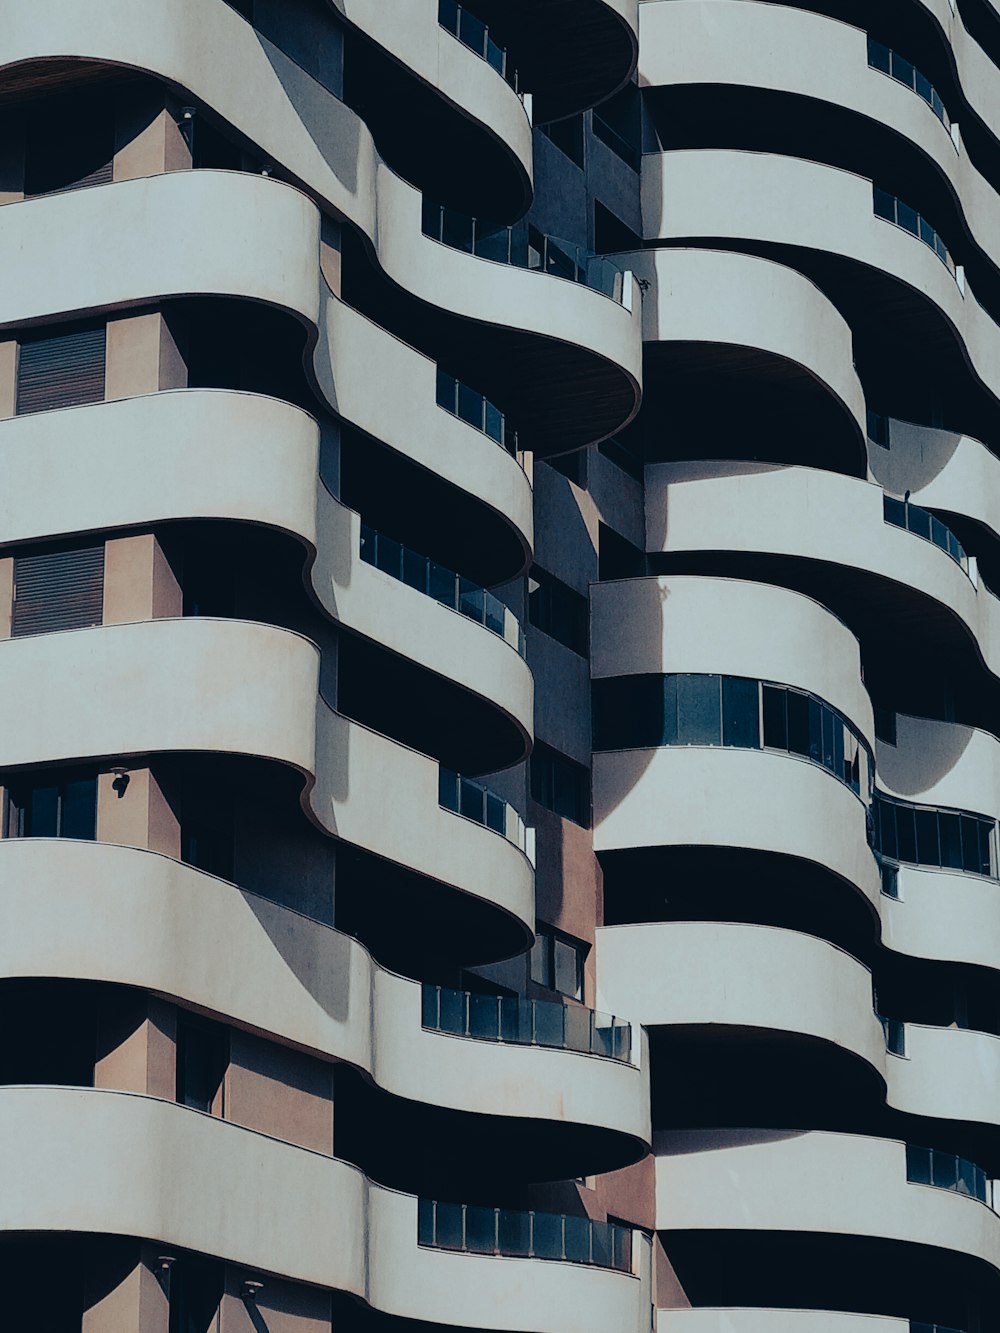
x=471 y=600
x=568 y=962
x=560 y=259
x=470 y=406
x=919 y=521
x=840 y=736
x=939 y=533
x=448 y=789
x=480 y=1229
x=699 y=710
x=577 y=1022
x=623 y=1041
x=496 y=813
x=514 y=1230
x=602 y=1244
x=669 y=729
x=927 y=232
x=425 y=1222
x=970 y=844
x=938 y=105
x=547 y=1238
x=740 y=712
x=906 y=834
x=949 y=830
x=41 y=813
x=493 y=242
x=906 y=216
x=816 y=711
x=429 y=1006
x=885 y=205
x=541 y=960
x=414 y=570
x=603 y=1042
x=549 y=1029
x=918 y=1165
x=902 y=69
x=448 y=15
x=944 y=1170
x=775 y=722
x=447 y=389
x=798 y=722
x=457 y=230
x=472 y=31
x=79 y=809
x=472 y=800
x=484 y=1016
x=389 y=555
x=493 y=423
x=430 y=218
x=577 y=1233
x=830 y=723
x=986 y=839
x=967 y=1183
x=494 y=54
x=928 y=847
x=441 y=584
x=448 y=1225
x=452 y=1012
x=493 y=613
x=510 y=1029
x=878 y=56
x=894 y=511
x=623 y=1249
x=923 y=86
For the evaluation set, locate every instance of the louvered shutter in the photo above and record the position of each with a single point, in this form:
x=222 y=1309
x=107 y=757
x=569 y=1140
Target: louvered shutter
x=61 y=370
x=58 y=590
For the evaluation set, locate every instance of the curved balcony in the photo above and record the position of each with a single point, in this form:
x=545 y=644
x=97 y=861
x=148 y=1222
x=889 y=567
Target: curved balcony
x=902 y=514
x=533 y=345
x=524 y=246
x=890 y=208
x=475 y=1229
x=947 y=1171
x=701 y=350
x=921 y=835
x=508 y=1018
x=81 y=911
x=904 y=71
x=474 y=801
x=122 y=1164
x=476 y=409
x=472 y=32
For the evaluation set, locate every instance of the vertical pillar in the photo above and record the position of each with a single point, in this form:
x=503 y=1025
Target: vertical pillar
x=148 y=141
x=12 y=144
x=130 y=1299
x=8 y=377
x=142 y=356
x=137 y=1045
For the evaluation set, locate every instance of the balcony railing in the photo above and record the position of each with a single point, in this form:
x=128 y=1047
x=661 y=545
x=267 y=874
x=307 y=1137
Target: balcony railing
x=925 y=835
x=916 y=1327
x=475 y=34
x=508 y=1018
x=443 y=584
x=947 y=1171
x=895 y=1034
x=475 y=409
x=904 y=71
x=902 y=514
x=527 y=1235
x=891 y=209
x=523 y=246
x=463 y=796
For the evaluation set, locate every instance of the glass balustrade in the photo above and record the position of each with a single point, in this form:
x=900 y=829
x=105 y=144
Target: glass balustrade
x=903 y=514
x=947 y=1171
x=443 y=584
x=895 y=1034
x=917 y=1327
x=891 y=209
x=509 y=1018
x=476 y=1229
x=475 y=409
x=522 y=246
x=466 y=797
x=475 y=34
x=904 y=71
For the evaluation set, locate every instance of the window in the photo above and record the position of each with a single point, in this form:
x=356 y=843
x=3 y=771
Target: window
x=195 y=1293
x=560 y=785
x=617 y=558
x=878 y=428
x=885 y=724
x=70 y=144
x=611 y=234
x=60 y=368
x=567 y=135
x=59 y=806
x=622 y=455
x=57 y=590
x=558 y=611
x=202 y=1060
x=572 y=466
x=945 y=839
x=557 y=962
x=618 y=123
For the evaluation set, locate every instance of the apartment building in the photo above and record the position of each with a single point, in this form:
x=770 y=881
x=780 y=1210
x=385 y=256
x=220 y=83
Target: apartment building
x=498 y=680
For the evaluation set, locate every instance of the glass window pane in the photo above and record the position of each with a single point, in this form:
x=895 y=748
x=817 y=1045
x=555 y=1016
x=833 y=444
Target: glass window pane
x=496 y=813
x=923 y=85
x=494 y=422
x=887 y=826
x=514 y=1232
x=568 y=963
x=41 y=812
x=623 y=1249
x=894 y=511
x=484 y=1016
x=494 y=54
x=447 y=389
x=79 y=809
x=471 y=599
x=970 y=844
x=541 y=965
x=798 y=723
x=547 y=1236
x=472 y=800
x=549 y=1025
x=414 y=569
x=480 y=1229
x=448 y=789
x=951 y=841
x=577 y=1023
x=885 y=205
x=939 y=533
x=442 y=584
x=816 y=730
x=830 y=724
x=740 y=712
x=906 y=834
x=937 y=105
x=389 y=555
x=448 y=15
x=457 y=230
x=928 y=847
x=944 y=1170
x=470 y=406
x=510 y=1027
x=902 y=69
x=448 y=1225
x=986 y=840
x=602 y=1251
x=775 y=723
x=473 y=32
x=429 y=1006
x=919 y=521
x=452 y=1012
x=918 y=1165
x=966 y=1178
x=699 y=710
x=578 y=1239
x=425 y=1222
x=493 y=242
x=878 y=56
x=669 y=729
x=906 y=216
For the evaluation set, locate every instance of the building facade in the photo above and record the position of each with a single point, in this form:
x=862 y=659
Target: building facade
x=499 y=499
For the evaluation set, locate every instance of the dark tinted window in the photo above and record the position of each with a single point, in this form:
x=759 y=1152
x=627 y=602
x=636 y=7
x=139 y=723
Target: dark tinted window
x=557 y=610
x=699 y=710
x=560 y=784
x=740 y=712
x=57 y=807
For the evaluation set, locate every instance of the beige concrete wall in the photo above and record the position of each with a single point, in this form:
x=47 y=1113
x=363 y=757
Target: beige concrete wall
x=280 y=1307
x=8 y=377
x=139 y=583
x=280 y=1092
x=124 y=1296
x=142 y=356
x=148 y=140
x=137 y=1045
x=12 y=158
x=6 y=595
x=136 y=814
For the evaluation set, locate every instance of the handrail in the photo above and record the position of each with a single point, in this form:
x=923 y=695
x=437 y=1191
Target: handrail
x=471 y=799
x=521 y=1022
x=890 y=208
x=523 y=246
x=904 y=71
x=475 y=34
x=474 y=408
x=443 y=584
x=475 y=1229
x=921 y=522
x=947 y=1171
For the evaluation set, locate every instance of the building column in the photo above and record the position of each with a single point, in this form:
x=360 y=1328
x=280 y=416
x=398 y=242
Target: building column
x=131 y=1297
x=142 y=356
x=148 y=139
